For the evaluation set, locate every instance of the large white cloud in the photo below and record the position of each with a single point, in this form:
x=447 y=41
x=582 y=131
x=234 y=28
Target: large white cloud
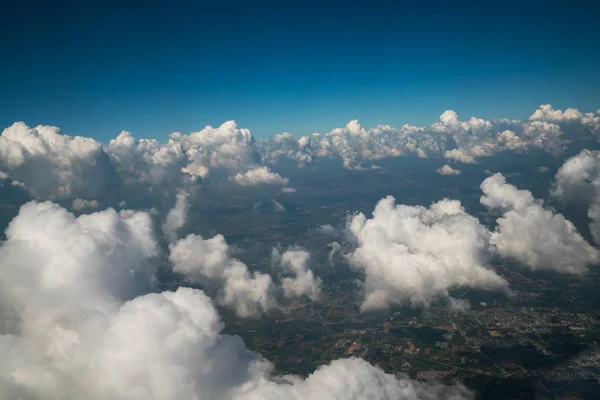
x=533 y=234
x=80 y=329
x=413 y=253
x=577 y=182
x=578 y=179
x=287 y=145
x=53 y=262
x=225 y=150
x=51 y=164
x=571 y=117
x=147 y=160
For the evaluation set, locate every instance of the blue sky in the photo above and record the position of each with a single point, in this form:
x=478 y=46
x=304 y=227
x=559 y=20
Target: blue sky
x=157 y=67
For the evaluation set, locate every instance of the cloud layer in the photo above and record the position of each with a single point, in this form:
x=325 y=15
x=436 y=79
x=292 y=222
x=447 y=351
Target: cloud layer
x=52 y=165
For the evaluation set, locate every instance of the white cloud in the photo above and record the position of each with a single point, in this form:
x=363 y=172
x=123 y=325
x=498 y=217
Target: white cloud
x=54 y=262
x=532 y=234
x=146 y=160
x=303 y=282
x=177 y=216
x=578 y=179
x=80 y=204
x=571 y=117
x=51 y=164
x=577 y=182
x=259 y=176
x=208 y=260
x=459 y=156
x=84 y=328
x=542 y=170
x=286 y=145
x=416 y=254
x=448 y=170
x=288 y=190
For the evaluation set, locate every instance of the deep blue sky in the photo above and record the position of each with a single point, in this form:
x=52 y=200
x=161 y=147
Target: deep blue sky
x=96 y=68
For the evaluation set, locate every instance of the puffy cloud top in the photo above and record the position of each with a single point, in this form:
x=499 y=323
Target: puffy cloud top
x=417 y=253
x=578 y=182
x=448 y=170
x=532 y=234
x=51 y=164
x=258 y=176
x=461 y=141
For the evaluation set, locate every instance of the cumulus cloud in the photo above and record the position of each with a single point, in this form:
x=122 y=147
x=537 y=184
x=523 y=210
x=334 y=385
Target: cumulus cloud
x=146 y=160
x=225 y=150
x=577 y=182
x=53 y=261
x=80 y=204
x=459 y=155
x=415 y=254
x=51 y=164
x=542 y=170
x=259 y=176
x=208 y=260
x=287 y=145
x=288 y=190
x=578 y=179
x=177 y=216
x=571 y=117
x=448 y=170
x=303 y=282
x=532 y=234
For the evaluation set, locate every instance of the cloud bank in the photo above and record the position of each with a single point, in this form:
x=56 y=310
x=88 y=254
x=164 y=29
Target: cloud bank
x=52 y=165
